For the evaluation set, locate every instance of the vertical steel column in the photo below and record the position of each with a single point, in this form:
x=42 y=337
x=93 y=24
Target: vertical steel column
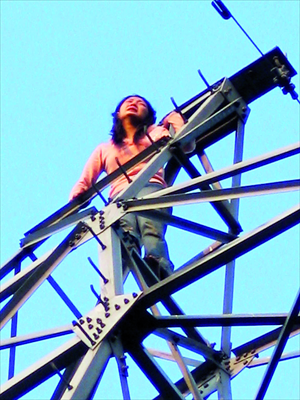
x=13 y=333
x=85 y=381
x=225 y=385
x=118 y=351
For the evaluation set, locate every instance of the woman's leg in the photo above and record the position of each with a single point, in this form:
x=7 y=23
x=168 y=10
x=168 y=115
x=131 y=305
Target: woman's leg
x=153 y=237
x=130 y=227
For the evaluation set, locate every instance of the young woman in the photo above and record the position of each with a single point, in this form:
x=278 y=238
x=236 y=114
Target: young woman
x=133 y=117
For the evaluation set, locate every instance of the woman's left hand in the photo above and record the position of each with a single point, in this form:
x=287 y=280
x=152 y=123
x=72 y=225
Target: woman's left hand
x=174 y=119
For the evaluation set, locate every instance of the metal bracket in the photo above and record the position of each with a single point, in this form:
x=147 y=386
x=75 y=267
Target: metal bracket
x=236 y=364
x=231 y=94
x=209 y=384
x=96 y=325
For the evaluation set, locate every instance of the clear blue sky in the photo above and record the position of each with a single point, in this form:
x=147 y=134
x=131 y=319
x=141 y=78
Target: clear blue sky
x=64 y=67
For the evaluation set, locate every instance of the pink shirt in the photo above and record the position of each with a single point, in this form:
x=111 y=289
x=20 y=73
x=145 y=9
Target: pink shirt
x=103 y=159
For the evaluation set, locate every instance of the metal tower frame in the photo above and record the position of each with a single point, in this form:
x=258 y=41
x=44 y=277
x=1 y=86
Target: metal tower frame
x=120 y=322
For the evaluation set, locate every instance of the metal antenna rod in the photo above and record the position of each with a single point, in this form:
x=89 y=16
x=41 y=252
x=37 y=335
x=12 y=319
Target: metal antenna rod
x=226 y=14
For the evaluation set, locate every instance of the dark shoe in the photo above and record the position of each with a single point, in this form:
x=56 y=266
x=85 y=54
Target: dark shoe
x=160 y=270
x=153 y=264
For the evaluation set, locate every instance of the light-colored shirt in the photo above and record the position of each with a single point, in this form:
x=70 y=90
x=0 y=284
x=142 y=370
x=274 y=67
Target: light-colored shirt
x=103 y=158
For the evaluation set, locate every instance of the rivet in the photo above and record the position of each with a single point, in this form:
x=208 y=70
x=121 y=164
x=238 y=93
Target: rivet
x=96 y=337
x=107 y=315
x=126 y=301
x=134 y=295
x=71 y=243
x=90 y=326
x=89 y=319
x=117 y=307
x=101 y=212
x=99 y=321
x=81 y=321
x=99 y=330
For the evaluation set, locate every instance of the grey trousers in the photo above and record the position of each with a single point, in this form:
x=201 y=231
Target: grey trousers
x=148 y=232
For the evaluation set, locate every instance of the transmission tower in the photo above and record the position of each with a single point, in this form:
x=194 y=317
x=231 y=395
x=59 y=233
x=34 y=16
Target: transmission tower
x=121 y=322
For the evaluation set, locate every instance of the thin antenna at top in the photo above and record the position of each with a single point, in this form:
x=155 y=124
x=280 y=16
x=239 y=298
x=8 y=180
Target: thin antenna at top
x=287 y=87
x=226 y=14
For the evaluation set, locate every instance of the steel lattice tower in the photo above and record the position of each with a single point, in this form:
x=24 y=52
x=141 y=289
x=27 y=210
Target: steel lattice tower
x=121 y=321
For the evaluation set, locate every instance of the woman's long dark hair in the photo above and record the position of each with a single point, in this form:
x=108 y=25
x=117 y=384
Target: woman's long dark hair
x=117 y=130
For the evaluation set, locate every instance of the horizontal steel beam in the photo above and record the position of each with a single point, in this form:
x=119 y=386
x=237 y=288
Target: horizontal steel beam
x=212 y=195
x=265 y=361
x=192 y=345
x=228 y=172
x=198 y=269
x=180 y=321
x=263 y=342
x=35 y=337
x=44 y=233
x=188 y=225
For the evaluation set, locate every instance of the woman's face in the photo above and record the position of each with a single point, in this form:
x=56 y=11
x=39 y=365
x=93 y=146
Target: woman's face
x=133 y=107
